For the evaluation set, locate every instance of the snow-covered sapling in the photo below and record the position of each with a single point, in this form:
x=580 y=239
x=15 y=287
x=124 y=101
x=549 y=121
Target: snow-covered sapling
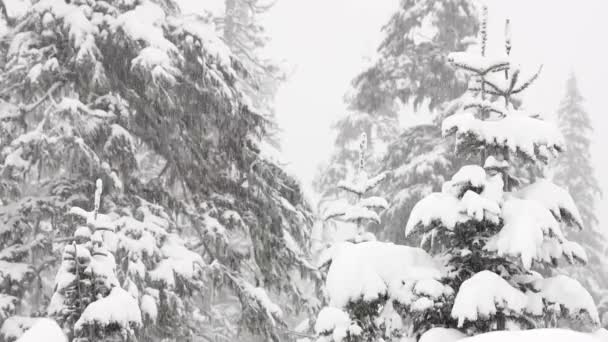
x=88 y=300
x=360 y=210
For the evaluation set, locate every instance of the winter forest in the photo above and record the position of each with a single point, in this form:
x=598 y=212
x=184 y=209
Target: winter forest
x=302 y=171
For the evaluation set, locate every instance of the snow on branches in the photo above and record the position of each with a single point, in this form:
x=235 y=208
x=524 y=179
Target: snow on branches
x=363 y=287
x=492 y=230
x=363 y=208
x=153 y=102
x=489 y=120
x=529 y=137
x=88 y=300
x=486 y=294
x=482 y=295
x=528 y=220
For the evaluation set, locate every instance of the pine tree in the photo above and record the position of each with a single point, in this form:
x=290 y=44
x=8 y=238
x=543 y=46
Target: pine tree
x=575 y=173
x=151 y=102
x=358 y=210
x=411 y=71
x=495 y=232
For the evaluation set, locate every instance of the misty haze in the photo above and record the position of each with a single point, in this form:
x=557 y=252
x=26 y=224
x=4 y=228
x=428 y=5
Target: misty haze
x=303 y=171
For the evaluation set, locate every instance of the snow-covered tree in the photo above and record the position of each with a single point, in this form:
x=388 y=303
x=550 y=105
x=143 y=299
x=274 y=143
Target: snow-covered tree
x=358 y=208
x=379 y=131
x=495 y=231
x=88 y=300
x=379 y=291
x=410 y=73
x=207 y=225
x=374 y=290
x=574 y=171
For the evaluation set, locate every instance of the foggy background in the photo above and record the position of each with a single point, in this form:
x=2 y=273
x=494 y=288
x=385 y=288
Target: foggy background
x=325 y=43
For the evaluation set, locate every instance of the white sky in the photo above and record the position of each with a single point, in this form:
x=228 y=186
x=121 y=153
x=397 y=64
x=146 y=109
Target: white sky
x=327 y=42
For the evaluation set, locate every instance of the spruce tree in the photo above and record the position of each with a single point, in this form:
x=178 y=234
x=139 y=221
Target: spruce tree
x=574 y=171
x=496 y=233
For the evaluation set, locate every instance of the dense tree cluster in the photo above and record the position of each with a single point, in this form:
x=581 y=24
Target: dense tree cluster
x=207 y=231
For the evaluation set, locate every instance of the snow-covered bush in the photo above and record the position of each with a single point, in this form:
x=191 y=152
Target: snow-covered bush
x=378 y=289
x=374 y=289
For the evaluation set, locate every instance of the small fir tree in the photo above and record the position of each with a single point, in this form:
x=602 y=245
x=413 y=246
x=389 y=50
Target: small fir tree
x=359 y=209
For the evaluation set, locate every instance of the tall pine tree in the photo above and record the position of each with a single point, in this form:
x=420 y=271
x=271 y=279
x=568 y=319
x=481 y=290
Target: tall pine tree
x=574 y=171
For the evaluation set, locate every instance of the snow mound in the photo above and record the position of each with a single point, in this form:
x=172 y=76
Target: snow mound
x=45 y=329
x=361 y=271
x=441 y=335
x=601 y=334
x=533 y=335
x=480 y=297
x=15 y=326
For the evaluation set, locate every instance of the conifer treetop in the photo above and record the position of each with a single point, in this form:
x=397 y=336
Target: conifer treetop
x=363 y=208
